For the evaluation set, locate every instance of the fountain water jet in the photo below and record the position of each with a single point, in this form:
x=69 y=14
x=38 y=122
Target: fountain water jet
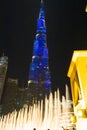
x=41 y=116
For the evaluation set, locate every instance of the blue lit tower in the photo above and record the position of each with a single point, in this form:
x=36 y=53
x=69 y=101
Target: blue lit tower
x=39 y=75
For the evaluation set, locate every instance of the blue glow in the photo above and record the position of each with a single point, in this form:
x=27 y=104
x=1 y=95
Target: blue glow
x=39 y=70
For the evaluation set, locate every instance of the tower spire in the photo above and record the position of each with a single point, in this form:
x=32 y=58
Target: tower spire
x=41 y=13
x=42 y=3
x=41 y=27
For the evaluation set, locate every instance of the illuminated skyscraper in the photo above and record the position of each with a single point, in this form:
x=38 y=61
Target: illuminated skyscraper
x=39 y=83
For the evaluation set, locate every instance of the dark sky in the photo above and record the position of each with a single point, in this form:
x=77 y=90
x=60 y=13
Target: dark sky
x=66 y=24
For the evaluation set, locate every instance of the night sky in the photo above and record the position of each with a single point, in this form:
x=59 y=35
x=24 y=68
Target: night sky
x=66 y=23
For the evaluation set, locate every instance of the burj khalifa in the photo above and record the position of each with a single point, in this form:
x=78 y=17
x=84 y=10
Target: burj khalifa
x=39 y=83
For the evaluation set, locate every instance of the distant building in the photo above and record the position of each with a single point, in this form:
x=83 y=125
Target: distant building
x=3 y=70
x=12 y=81
x=10 y=91
x=13 y=96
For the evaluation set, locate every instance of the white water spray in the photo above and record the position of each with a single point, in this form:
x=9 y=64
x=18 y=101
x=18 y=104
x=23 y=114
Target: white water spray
x=32 y=117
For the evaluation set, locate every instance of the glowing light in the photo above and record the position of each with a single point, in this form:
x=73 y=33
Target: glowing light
x=73 y=118
x=82 y=113
x=30 y=81
x=86 y=9
x=32 y=117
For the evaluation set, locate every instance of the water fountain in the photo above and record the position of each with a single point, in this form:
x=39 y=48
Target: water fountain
x=54 y=116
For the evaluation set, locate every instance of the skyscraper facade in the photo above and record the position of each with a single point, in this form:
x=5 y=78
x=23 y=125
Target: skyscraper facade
x=39 y=83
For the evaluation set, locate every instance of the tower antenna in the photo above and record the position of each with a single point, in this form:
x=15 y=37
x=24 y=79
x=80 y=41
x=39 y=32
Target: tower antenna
x=41 y=1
